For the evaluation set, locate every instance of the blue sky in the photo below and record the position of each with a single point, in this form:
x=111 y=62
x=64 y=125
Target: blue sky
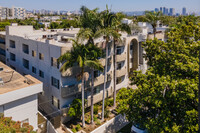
x=117 y=5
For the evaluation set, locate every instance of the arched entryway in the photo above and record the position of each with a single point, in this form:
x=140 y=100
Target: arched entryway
x=133 y=55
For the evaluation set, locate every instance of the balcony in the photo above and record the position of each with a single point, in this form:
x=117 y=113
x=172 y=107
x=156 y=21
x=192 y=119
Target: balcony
x=121 y=72
x=98 y=97
x=99 y=80
x=72 y=90
x=72 y=71
x=121 y=57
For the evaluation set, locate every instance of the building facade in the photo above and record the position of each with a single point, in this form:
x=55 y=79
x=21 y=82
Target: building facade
x=12 y=13
x=36 y=53
x=19 y=96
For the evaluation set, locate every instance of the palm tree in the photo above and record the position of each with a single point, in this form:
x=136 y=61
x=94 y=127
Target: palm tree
x=95 y=53
x=79 y=54
x=107 y=30
x=89 y=21
x=119 y=27
x=152 y=18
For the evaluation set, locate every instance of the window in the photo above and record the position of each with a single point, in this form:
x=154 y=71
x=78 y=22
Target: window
x=41 y=74
x=56 y=102
x=54 y=62
x=109 y=61
x=96 y=74
x=131 y=47
x=55 y=82
x=96 y=90
x=119 y=50
x=12 y=44
x=140 y=53
x=2 y=52
x=26 y=63
x=25 y=48
x=119 y=80
x=12 y=57
x=119 y=65
x=41 y=56
x=34 y=70
x=33 y=53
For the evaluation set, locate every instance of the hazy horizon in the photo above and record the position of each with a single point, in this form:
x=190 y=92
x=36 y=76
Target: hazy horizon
x=115 y=5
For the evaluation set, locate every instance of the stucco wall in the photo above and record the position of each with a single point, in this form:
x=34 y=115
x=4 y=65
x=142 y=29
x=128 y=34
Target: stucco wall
x=22 y=109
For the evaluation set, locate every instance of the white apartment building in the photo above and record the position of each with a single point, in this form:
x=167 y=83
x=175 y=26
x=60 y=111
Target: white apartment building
x=18 y=12
x=36 y=52
x=19 y=96
x=12 y=13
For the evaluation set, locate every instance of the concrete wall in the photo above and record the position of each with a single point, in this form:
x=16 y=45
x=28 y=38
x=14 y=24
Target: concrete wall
x=113 y=125
x=23 y=109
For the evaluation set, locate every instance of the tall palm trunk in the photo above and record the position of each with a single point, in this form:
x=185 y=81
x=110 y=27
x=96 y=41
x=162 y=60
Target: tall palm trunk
x=82 y=89
x=114 y=76
x=92 y=91
x=105 y=80
x=154 y=32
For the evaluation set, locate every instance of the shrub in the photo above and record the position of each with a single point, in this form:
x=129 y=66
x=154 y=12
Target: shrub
x=74 y=130
x=110 y=102
x=106 y=113
x=95 y=118
x=78 y=127
x=95 y=109
x=98 y=122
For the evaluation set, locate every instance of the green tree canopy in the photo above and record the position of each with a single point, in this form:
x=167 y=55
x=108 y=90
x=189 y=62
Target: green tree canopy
x=167 y=96
x=7 y=125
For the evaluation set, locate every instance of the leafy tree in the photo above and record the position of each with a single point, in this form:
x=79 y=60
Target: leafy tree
x=7 y=125
x=3 y=25
x=54 y=25
x=75 y=109
x=167 y=96
x=79 y=55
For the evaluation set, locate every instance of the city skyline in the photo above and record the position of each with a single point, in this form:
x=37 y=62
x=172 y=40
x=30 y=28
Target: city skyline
x=115 y=5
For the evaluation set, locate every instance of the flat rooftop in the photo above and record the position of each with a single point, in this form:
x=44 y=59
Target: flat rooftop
x=12 y=80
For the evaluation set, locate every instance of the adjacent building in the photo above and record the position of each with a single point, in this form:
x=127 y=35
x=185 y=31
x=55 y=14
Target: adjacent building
x=18 y=95
x=12 y=13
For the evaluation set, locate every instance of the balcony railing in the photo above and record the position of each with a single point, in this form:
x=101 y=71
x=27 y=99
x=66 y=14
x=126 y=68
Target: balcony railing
x=74 y=89
x=98 y=97
x=121 y=72
x=121 y=57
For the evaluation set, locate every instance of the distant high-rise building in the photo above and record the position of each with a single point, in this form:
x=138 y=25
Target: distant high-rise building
x=172 y=12
x=184 y=11
x=161 y=9
x=164 y=10
x=156 y=10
